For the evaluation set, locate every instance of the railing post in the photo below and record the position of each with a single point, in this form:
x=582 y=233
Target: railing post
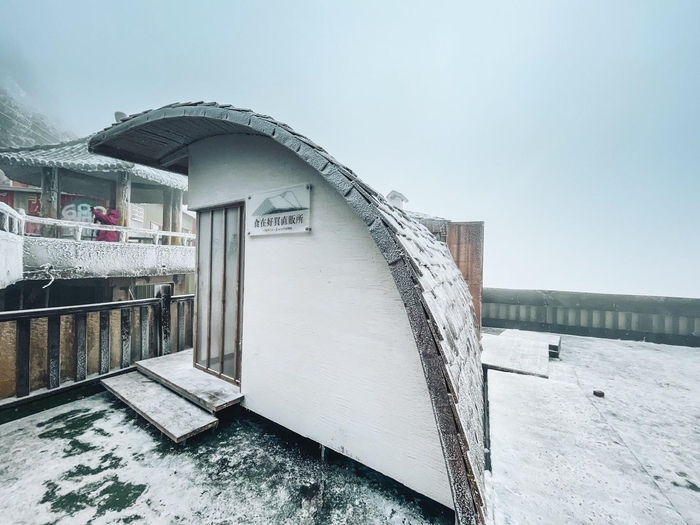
x=145 y=339
x=80 y=346
x=126 y=337
x=180 y=325
x=104 y=342
x=165 y=322
x=22 y=357
x=77 y=233
x=53 y=336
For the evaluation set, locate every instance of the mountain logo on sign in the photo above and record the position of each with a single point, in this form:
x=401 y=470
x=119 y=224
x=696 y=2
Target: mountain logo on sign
x=282 y=203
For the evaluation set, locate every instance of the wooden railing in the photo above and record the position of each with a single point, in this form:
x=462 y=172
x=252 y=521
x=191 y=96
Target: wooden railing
x=143 y=329
x=74 y=230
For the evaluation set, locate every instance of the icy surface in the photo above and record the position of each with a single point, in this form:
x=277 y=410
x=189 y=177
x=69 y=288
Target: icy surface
x=449 y=302
x=93 y=461
x=550 y=339
x=561 y=455
x=11 y=248
x=521 y=356
x=71 y=259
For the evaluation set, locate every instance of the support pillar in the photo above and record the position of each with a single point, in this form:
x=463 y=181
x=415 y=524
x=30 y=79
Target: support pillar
x=176 y=221
x=167 y=212
x=123 y=198
x=50 y=197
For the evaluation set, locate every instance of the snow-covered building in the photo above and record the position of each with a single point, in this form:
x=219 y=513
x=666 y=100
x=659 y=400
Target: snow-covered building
x=336 y=314
x=56 y=186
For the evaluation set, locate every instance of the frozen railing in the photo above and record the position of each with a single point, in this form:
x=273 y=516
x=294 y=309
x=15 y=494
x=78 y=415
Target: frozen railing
x=75 y=230
x=10 y=220
x=71 y=345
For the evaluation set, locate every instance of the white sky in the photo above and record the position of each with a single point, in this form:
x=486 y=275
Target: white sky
x=571 y=128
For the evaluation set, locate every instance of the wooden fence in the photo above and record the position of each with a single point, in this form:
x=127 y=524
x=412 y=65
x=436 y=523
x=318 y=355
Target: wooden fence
x=47 y=349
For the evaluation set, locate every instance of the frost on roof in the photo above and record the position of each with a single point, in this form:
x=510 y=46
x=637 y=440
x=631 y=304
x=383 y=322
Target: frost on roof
x=450 y=304
x=74 y=155
x=424 y=216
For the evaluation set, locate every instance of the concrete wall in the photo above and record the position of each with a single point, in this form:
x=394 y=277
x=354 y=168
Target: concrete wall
x=80 y=259
x=10 y=258
x=669 y=320
x=327 y=348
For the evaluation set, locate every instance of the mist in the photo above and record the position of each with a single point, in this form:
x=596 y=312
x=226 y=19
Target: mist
x=572 y=129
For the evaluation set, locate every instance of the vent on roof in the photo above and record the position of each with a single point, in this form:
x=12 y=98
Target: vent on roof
x=396 y=199
x=119 y=115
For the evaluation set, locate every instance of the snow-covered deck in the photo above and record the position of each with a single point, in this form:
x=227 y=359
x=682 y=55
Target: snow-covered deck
x=92 y=461
x=561 y=455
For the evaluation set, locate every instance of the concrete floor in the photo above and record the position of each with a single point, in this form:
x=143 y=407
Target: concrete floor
x=562 y=455
x=93 y=461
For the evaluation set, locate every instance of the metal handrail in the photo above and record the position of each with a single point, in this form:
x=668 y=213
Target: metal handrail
x=15 y=315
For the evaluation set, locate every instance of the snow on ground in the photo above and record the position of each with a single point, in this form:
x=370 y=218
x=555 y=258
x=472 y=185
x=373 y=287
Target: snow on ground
x=561 y=455
x=93 y=461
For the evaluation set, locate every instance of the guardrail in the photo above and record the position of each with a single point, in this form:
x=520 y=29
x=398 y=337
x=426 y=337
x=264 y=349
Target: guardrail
x=667 y=320
x=10 y=220
x=63 y=355
x=76 y=229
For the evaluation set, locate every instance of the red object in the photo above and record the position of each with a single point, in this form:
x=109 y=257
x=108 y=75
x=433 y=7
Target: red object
x=34 y=205
x=8 y=198
x=111 y=218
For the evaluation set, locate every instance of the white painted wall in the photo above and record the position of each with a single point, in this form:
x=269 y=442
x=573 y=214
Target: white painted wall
x=10 y=258
x=327 y=348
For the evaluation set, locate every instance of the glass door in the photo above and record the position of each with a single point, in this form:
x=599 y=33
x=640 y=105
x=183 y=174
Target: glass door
x=219 y=245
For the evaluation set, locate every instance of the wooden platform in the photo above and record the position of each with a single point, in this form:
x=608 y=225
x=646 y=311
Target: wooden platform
x=553 y=340
x=176 y=372
x=520 y=356
x=176 y=417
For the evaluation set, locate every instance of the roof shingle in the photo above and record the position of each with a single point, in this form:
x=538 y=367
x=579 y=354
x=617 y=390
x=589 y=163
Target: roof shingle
x=74 y=156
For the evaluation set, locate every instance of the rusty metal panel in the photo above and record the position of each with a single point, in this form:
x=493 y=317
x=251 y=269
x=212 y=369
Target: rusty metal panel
x=466 y=243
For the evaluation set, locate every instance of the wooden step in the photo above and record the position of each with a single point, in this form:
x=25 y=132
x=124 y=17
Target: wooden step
x=177 y=372
x=176 y=417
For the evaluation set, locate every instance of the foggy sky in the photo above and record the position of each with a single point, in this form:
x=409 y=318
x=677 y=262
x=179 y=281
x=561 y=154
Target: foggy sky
x=571 y=128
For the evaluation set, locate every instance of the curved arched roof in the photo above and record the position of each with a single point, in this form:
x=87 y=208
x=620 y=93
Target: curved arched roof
x=435 y=295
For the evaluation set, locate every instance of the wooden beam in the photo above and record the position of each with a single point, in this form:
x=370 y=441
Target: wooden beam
x=174 y=157
x=81 y=184
x=167 y=211
x=123 y=197
x=176 y=221
x=50 y=197
x=146 y=193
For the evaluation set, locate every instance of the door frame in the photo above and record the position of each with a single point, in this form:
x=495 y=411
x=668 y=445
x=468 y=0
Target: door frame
x=236 y=380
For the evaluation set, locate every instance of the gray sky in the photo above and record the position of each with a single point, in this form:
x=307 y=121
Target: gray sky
x=571 y=128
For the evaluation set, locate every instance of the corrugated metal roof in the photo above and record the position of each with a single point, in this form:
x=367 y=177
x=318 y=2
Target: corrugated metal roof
x=436 y=297
x=74 y=156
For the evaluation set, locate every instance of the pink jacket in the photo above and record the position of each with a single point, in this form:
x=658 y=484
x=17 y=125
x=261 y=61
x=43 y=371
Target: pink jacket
x=112 y=218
